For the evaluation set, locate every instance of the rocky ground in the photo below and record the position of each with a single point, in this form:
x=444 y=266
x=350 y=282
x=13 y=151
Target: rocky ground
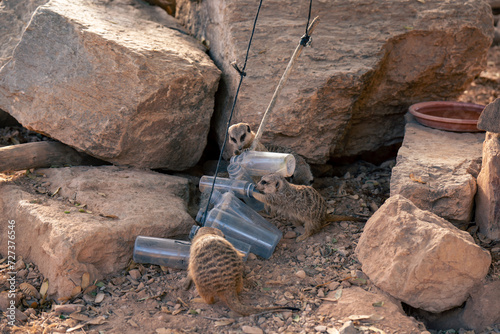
x=150 y=299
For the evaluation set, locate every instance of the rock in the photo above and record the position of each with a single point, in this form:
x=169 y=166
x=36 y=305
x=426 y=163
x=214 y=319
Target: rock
x=14 y=17
x=369 y=61
x=433 y=170
x=490 y=117
x=420 y=258
x=126 y=86
x=483 y=307
x=488 y=189
x=301 y=274
x=348 y=328
x=116 y=205
x=357 y=301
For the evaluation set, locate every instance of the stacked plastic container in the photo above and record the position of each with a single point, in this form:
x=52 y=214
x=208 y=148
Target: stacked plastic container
x=234 y=212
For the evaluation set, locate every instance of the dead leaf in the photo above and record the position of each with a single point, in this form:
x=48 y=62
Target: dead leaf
x=44 y=288
x=99 y=298
x=89 y=289
x=76 y=291
x=56 y=192
x=415 y=179
x=378 y=304
x=29 y=290
x=359 y=317
x=79 y=316
x=85 y=280
x=224 y=322
x=108 y=216
x=97 y=321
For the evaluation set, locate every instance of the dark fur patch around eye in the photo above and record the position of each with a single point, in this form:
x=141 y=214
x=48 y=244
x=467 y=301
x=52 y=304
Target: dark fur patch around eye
x=243 y=137
x=263 y=182
x=233 y=140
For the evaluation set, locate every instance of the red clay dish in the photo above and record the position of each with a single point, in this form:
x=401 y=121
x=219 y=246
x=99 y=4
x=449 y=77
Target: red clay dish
x=448 y=115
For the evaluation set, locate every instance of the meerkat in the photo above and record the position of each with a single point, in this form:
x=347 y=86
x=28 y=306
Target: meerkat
x=241 y=138
x=298 y=203
x=216 y=268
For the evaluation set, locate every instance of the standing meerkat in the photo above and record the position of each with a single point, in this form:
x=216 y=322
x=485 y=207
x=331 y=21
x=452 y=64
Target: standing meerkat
x=301 y=204
x=241 y=138
x=216 y=268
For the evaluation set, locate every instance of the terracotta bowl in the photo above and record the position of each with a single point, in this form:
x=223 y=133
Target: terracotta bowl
x=447 y=115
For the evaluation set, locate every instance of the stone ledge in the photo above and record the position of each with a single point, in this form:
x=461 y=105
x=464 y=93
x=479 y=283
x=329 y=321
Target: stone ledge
x=437 y=170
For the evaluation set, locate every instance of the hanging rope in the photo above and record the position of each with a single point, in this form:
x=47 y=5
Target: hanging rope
x=242 y=74
x=304 y=41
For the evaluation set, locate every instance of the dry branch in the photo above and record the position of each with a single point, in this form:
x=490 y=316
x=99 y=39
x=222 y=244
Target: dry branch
x=37 y=155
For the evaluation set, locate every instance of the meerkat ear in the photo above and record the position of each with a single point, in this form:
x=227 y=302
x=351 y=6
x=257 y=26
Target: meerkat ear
x=248 y=128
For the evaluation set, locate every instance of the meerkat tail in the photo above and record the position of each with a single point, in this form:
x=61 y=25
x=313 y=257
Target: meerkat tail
x=337 y=218
x=232 y=300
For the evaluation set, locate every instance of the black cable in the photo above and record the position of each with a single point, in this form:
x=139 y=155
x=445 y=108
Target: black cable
x=242 y=75
x=306 y=39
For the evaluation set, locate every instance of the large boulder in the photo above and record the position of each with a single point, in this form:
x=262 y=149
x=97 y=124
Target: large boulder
x=85 y=219
x=488 y=184
x=420 y=258
x=124 y=85
x=490 y=117
x=14 y=17
x=370 y=60
x=437 y=171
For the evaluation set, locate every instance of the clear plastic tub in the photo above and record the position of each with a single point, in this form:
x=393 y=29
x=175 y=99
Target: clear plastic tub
x=230 y=203
x=262 y=163
x=262 y=240
x=161 y=251
x=242 y=189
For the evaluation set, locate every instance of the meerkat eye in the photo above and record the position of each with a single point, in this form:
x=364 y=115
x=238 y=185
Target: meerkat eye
x=233 y=140
x=277 y=185
x=243 y=137
x=263 y=182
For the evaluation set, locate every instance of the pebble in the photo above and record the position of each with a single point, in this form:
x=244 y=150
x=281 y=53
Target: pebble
x=320 y=328
x=301 y=258
x=290 y=235
x=251 y=330
x=301 y=274
x=135 y=274
x=333 y=286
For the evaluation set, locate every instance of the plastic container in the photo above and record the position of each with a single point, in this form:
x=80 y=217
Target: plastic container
x=262 y=163
x=230 y=203
x=262 y=240
x=242 y=189
x=238 y=244
x=237 y=172
x=163 y=252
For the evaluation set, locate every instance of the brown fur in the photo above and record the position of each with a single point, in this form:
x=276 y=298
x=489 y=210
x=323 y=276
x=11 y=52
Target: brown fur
x=216 y=269
x=241 y=138
x=301 y=204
